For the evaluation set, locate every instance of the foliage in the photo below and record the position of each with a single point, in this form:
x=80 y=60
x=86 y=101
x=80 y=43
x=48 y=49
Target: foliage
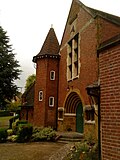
x=21 y=122
x=43 y=134
x=12 y=138
x=13 y=106
x=29 y=81
x=13 y=119
x=9 y=70
x=3 y=134
x=4 y=113
x=24 y=132
x=83 y=151
x=10 y=132
x=15 y=125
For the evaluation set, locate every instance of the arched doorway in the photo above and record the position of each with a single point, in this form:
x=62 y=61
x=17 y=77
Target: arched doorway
x=73 y=107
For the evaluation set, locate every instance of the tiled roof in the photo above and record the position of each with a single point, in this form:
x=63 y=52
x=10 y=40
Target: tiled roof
x=50 y=45
x=109 y=43
x=112 y=18
x=28 y=96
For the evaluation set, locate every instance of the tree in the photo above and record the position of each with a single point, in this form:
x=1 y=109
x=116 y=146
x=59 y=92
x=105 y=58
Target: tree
x=9 y=70
x=29 y=81
x=15 y=103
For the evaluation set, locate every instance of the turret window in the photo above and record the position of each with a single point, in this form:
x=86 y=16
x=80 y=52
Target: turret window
x=52 y=75
x=51 y=101
x=40 y=95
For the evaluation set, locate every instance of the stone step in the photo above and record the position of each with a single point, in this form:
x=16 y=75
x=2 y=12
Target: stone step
x=70 y=139
x=66 y=137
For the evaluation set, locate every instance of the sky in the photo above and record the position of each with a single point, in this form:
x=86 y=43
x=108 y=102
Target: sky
x=27 y=23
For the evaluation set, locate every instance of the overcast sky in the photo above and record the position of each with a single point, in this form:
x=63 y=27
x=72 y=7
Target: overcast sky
x=27 y=23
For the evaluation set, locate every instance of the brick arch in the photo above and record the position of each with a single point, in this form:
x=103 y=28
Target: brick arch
x=72 y=102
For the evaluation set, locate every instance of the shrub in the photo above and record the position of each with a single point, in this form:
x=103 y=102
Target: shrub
x=21 y=122
x=15 y=125
x=24 y=132
x=83 y=151
x=13 y=119
x=9 y=132
x=43 y=134
x=4 y=113
x=12 y=138
x=3 y=134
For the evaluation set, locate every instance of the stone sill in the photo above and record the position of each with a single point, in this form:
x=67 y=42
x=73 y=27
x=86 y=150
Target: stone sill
x=60 y=119
x=89 y=122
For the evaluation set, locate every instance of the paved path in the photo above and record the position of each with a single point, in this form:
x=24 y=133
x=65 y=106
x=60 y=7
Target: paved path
x=29 y=151
x=62 y=152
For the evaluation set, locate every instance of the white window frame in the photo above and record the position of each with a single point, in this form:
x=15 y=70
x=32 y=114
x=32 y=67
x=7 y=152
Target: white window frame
x=52 y=72
x=40 y=95
x=72 y=61
x=51 y=105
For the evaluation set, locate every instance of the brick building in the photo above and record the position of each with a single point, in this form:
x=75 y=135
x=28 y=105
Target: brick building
x=46 y=85
x=63 y=73
x=109 y=65
x=85 y=30
x=27 y=107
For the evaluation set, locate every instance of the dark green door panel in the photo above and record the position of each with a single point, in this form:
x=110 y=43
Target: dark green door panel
x=79 y=118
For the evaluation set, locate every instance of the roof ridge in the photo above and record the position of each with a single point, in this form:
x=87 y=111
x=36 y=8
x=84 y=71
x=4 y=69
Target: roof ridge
x=108 y=16
x=95 y=12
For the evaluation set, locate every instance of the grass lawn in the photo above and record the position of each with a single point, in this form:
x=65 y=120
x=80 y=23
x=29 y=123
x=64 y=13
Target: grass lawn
x=4 y=121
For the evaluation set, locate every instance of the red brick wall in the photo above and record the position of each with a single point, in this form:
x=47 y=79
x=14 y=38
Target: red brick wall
x=30 y=115
x=109 y=63
x=88 y=61
x=85 y=25
x=106 y=30
x=23 y=114
x=52 y=90
x=91 y=33
x=39 y=107
x=43 y=114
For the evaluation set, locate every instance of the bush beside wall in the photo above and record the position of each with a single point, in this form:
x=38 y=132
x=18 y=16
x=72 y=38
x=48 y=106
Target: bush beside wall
x=3 y=134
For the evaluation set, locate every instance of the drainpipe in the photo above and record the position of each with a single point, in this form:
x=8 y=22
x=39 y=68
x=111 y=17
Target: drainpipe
x=99 y=132
x=57 y=93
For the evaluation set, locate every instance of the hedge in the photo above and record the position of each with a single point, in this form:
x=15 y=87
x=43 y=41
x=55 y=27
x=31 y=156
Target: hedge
x=4 y=113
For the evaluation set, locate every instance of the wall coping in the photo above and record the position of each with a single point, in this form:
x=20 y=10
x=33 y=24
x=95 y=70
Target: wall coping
x=109 y=43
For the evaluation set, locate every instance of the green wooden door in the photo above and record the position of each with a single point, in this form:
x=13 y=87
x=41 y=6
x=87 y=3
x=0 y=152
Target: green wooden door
x=79 y=118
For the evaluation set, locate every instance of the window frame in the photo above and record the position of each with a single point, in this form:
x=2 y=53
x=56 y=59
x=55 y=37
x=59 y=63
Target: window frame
x=90 y=115
x=40 y=96
x=52 y=71
x=73 y=58
x=60 y=113
x=53 y=101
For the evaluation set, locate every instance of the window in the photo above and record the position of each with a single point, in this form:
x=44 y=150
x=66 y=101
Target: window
x=40 y=95
x=52 y=75
x=60 y=113
x=51 y=101
x=89 y=114
x=72 y=58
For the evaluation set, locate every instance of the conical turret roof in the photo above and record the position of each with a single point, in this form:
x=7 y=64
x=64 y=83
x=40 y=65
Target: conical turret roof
x=50 y=46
